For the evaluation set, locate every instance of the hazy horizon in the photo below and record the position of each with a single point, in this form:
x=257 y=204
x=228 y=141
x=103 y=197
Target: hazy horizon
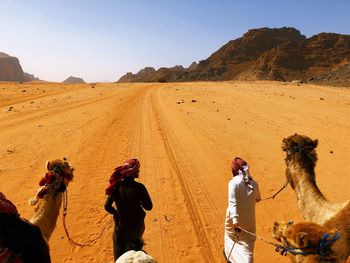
x=101 y=41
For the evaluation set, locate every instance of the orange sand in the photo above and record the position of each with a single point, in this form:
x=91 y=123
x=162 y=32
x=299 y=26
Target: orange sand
x=185 y=150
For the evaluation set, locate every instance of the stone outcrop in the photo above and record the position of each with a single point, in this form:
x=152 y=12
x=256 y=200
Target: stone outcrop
x=263 y=54
x=336 y=77
x=30 y=77
x=74 y=80
x=10 y=68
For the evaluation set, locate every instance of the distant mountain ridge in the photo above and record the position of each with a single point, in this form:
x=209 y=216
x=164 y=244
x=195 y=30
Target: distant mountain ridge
x=73 y=80
x=30 y=77
x=11 y=70
x=262 y=54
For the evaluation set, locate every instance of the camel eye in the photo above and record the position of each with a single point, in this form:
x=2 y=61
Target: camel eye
x=296 y=148
x=309 y=146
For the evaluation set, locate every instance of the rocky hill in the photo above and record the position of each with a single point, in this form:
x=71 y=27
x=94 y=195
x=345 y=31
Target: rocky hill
x=336 y=77
x=30 y=77
x=10 y=69
x=261 y=54
x=73 y=80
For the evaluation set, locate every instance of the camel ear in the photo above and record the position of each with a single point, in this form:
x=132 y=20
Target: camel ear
x=302 y=239
x=311 y=145
x=284 y=144
x=47 y=164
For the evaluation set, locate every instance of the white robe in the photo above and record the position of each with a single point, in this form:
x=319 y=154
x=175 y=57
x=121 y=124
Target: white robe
x=238 y=252
x=241 y=209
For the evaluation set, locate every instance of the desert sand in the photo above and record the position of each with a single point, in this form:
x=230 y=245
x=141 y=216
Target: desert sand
x=185 y=135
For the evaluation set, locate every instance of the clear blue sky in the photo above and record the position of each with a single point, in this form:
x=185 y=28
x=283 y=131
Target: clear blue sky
x=102 y=40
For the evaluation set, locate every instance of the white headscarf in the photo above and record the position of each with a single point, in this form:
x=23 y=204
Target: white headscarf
x=247 y=178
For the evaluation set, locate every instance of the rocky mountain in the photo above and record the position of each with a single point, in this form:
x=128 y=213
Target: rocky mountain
x=10 y=69
x=336 y=77
x=261 y=54
x=302 y=60
x=30 y=77
x=73 y=80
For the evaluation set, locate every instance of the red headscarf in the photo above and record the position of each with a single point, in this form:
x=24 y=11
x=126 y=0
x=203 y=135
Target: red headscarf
x=237 y=164
x=7 y=255
x=130 y=168
x=6 y=206
x=241 y=167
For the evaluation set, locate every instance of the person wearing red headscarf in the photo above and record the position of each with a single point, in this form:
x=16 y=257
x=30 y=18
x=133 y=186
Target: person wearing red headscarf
x=243 y=193
x=131 y=199
x=20 y=240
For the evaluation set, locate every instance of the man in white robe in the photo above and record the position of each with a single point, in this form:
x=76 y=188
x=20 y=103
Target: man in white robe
x=243 y=193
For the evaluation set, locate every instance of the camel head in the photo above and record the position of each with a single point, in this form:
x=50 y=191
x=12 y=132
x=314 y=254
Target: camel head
x=305 y=238
x=59 y=174
x=278 y=229
x=300 y=151
x=63 y=172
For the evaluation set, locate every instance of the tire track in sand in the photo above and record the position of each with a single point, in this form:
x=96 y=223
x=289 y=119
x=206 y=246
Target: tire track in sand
x=200 y=207
x=143 y=145
x=164 y=238
x=98 y=153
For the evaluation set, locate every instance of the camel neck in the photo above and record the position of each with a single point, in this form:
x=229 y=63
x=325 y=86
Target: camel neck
x=313 y=204
x=47 y=211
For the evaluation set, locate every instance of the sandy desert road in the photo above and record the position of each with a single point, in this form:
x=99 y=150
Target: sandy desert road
x=185 y=135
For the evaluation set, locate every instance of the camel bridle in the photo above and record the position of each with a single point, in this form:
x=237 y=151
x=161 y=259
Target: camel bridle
x=322 y=249
x=58 y=170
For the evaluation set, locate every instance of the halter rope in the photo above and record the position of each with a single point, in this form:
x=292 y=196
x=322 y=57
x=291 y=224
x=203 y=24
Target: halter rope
x=273 y=196
x=87 y=243
x=278 y=248
x=234 y=243
x=259 y=237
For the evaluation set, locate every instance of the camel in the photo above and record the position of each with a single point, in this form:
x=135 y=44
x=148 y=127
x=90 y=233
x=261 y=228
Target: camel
x=48 y=199
x=301 y=159
x=307 y=242
x=133 y=256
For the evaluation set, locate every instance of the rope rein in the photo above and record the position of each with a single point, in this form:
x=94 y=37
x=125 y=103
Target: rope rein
x=278 y=248
x=87 y=243
x=273 y=196
x=259 y=237
x=234 y=243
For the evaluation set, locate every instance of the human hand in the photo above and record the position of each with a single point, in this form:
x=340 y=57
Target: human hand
x=236 y=227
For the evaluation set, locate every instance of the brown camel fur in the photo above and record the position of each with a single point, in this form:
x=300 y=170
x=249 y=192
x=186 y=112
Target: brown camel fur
x=48 y=200
x=305 y=238
x=301 y=159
